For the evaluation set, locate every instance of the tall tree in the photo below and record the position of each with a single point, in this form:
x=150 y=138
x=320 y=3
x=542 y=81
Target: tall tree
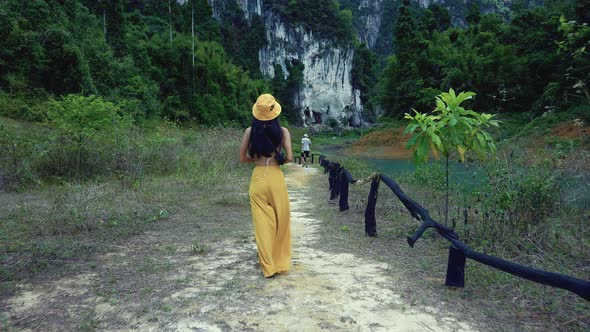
x=115 y=26
x=403 y=80
x=364 y=72
x=474 y=14
x=170 y=17
x=405 y=32
x=583 y=11
x=193 y=40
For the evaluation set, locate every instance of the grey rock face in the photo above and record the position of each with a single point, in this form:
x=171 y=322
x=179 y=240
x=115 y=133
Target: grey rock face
x=326 y=88
x=457 y=9
x=370 y=12
x=326 y=91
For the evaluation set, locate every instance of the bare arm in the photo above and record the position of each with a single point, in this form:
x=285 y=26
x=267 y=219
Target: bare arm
x=244 y=157
x=287 y=145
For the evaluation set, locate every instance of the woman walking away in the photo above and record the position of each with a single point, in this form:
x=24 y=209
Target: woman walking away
x=263 y=144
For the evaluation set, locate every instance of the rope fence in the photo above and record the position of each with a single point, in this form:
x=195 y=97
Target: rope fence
x=339 y=180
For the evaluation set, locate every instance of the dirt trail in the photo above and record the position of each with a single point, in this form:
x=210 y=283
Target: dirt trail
x=224 y=289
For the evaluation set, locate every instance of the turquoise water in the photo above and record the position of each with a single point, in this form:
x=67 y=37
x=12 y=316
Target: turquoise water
x=468 y=175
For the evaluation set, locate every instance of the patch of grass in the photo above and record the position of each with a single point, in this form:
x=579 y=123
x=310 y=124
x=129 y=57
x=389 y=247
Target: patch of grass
x=187 y=194
x=45 y=230
x=541 y=125
x=170 y=249
x=198 y=248
x=165 y=307
x=510 y=125
x=147 y=290
x=356 y=167
x=231 y=199
x=88 y=324
x=42 y=256
x=183 y=282
x=108 y=293
x=5 y=325
x=152 y=265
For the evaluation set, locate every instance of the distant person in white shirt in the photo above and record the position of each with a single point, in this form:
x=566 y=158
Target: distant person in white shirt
x=305 y=145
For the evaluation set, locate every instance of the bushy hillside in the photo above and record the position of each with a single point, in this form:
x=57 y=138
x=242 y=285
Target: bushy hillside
x=533 y=62
x=141 y=55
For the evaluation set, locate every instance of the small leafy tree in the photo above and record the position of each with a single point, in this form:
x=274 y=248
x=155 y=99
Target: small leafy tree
x=80 y=121
x=449 y=129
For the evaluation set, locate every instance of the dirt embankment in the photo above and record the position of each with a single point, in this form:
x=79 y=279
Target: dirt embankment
x=571 y=129
x=391 y=143
x=382 y=144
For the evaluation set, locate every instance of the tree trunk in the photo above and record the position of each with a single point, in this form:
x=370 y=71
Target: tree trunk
x=193 y=29
x=104 y=21
x=170 y=18
x=447 y=191
x=193 y=39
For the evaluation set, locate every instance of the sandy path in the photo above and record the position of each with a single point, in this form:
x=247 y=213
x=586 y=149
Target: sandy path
x=324 y=291
x=338 y=292
x=224 y=289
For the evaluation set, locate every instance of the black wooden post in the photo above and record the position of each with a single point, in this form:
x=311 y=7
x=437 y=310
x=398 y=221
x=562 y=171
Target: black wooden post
x=343 y=202
x=456 y=268
x=335 y=181
x=370 y=223
x=325 y=164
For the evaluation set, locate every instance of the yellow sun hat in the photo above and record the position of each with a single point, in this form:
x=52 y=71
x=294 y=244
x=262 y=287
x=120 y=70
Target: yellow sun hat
x=266 y=108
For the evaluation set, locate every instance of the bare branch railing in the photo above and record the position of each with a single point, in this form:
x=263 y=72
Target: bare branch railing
x=339 y=179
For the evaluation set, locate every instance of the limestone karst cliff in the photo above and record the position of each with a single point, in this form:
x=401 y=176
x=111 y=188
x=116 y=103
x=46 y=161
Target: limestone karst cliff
x=327 y=90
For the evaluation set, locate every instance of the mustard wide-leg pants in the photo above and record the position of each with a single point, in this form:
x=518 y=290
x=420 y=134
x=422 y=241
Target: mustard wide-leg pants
x=271 y=216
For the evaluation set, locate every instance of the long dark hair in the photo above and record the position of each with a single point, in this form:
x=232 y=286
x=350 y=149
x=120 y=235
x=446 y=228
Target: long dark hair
x=265 y=137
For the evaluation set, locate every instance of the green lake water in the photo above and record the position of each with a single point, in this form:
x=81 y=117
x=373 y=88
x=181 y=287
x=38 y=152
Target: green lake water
x=468 y=175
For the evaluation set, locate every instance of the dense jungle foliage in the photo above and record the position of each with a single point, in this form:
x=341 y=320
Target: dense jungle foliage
x=136 y=54
x=140 y=55
x=324 y=17
x=537 y=61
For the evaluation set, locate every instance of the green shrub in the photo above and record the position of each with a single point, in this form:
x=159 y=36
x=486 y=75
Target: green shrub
x=563 y=146
x=218 y=150
x=129 y=167
x=358 y=168
x=82 y=144
x=161 y=151
x=15 y=160
x=332 y=123
x=519 y=196
x=429 y=175
x=26 y=108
